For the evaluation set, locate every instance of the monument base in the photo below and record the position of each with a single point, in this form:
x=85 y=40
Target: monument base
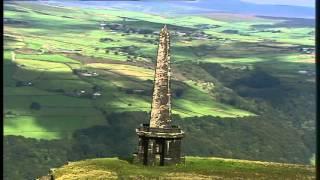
x=159 y=146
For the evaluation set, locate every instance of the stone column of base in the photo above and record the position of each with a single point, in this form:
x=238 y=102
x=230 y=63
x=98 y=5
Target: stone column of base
x=138 y=157
x=172 y=151
x=151 y=152
x=157 y=160
x=167 y=150
x=176 y=151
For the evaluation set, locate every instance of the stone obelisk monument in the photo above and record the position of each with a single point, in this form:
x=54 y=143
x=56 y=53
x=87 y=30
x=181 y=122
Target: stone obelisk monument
x=161 y=101
x=159 y=141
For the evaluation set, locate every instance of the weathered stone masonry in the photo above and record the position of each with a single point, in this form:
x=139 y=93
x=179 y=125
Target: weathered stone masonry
x=160 y=142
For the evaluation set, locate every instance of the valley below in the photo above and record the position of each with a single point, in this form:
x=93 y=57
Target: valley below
x=78 y=81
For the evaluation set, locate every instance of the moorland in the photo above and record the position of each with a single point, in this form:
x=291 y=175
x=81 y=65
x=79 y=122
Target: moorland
x=78 y=81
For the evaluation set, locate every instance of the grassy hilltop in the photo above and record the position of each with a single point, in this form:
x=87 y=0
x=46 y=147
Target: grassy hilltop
x=194 y=168
x=78 y=81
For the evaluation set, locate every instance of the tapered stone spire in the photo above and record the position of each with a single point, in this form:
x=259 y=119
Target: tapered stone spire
x=161 y=101
x=159 y=141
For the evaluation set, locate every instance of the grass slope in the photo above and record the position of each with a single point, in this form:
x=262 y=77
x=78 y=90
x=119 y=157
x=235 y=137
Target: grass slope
x=50 y=42
x=194 y=168
x=41 y=34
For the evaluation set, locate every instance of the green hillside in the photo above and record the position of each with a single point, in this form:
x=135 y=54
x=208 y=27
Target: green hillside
x=43 y=57
x=43 y=36
x=194 y=168
x=78 y=81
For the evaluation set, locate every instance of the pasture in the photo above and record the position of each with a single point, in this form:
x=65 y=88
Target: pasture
x=51 y=42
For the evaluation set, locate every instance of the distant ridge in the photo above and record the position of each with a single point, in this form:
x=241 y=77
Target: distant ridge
x=237 y=6
x=180 y=7
x=286 y=18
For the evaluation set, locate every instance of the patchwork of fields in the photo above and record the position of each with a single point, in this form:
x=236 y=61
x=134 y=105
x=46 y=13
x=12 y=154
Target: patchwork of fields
x=66 y=67
x=78 y=80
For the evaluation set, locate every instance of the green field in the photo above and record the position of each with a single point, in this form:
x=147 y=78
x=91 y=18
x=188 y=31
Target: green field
x=50 y=42
x=243 y=87
x=45 y=40
x=194 y=168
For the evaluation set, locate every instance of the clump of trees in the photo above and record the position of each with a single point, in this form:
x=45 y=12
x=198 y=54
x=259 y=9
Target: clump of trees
x=145 y=31
x=178 y=92
x=230 y=31
x=259 y=79
x=129 y=91
x=35 y=106
x=106 y=40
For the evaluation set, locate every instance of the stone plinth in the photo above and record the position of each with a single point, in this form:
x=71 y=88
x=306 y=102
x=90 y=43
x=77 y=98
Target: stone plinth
x=159 y=146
